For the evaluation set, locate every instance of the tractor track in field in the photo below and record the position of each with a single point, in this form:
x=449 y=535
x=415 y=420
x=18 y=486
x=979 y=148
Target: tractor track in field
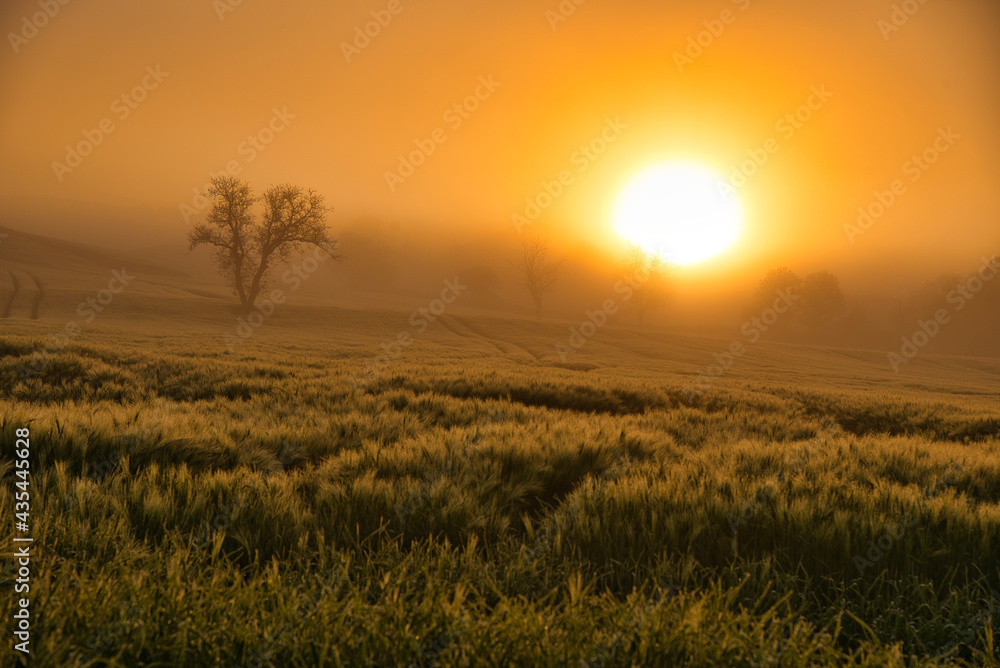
x=7 y=307
x=460 y=328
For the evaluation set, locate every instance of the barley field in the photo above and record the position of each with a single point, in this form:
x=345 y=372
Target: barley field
x=508 y=334
x=475 y=500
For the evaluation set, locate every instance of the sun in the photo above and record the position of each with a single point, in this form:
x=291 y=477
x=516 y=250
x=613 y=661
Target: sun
x=683 y=211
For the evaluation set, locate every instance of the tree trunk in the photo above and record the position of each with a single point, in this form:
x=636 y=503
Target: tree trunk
x=250 y=300
x=257 y=278
x=238 y=280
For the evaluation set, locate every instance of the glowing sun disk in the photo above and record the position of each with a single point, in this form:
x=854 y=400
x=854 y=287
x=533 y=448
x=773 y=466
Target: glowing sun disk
x=683 y=211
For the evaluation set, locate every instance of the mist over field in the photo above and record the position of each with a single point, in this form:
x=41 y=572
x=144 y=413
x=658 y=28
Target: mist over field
x=500 y=334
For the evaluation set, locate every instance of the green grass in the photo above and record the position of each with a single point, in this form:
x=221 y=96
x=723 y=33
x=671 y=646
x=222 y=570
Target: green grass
x=191 y=507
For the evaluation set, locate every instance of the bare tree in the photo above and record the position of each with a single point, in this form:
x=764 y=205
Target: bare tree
x=245 y=248
x=646 y=274
x=538 y=272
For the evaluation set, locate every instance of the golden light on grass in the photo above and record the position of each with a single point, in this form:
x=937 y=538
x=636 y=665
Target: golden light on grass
x=683 y=211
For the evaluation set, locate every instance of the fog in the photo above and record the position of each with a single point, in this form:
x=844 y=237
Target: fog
x=434 y=137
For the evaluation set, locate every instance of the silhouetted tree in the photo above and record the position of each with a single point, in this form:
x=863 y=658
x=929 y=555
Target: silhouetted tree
x=928 y=297
x=538 y=272
x=776 y=281
x=646 y=273
x=823 y=302
x=245 y=248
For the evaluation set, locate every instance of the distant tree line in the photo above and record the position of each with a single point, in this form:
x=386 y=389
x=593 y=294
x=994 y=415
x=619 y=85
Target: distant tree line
x=824 y=314
x=250 y=234
x=819 y=300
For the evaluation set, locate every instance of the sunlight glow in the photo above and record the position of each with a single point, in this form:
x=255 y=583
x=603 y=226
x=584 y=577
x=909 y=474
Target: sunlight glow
x=683 y=211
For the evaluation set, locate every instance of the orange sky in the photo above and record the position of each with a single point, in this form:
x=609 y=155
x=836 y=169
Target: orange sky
x=557 y=89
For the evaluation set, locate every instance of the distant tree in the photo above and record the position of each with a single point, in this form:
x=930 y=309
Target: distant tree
x=245 y=248
x=823 y=302
x=780 y=286
x=646 y=273
x=818 y=303
x=776 y=281
x=538 y=272
x=930 y=296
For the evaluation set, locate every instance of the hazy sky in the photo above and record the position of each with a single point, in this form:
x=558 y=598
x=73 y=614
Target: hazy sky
x=215 y=75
